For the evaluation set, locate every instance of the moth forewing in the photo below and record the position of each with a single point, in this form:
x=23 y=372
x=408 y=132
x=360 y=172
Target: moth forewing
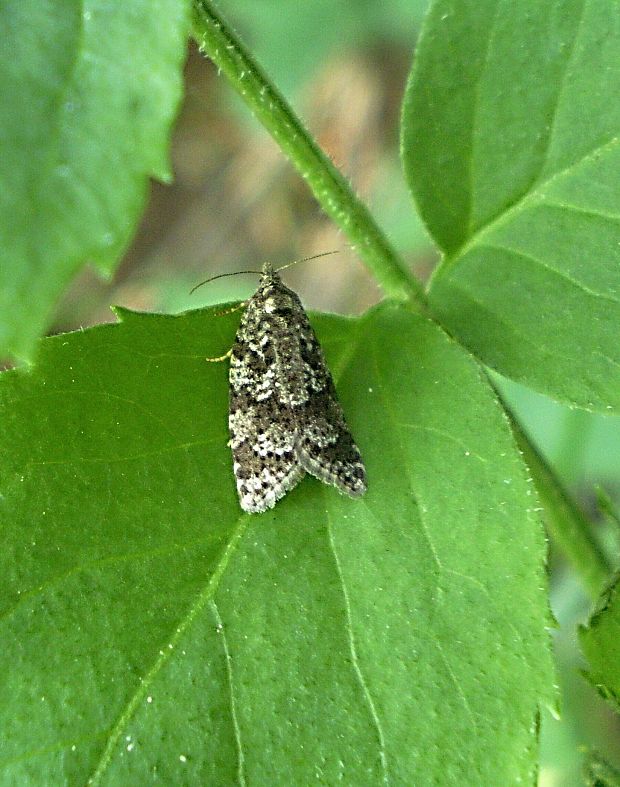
x=284 y=415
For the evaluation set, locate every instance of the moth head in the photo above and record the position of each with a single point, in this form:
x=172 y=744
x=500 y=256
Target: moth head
x=268 y=273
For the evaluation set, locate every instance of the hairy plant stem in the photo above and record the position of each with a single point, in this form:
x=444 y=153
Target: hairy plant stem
x=331 y=189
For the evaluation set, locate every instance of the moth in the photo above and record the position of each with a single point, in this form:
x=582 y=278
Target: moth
x=285 y=419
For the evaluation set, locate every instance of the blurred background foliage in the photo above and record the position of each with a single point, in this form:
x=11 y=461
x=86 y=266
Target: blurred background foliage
x=236 y=202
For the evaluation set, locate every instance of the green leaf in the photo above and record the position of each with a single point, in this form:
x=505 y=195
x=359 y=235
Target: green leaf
x=511 y=147
x=151 y=630
x=600 y=642
x=599 y=773
x=93 y=89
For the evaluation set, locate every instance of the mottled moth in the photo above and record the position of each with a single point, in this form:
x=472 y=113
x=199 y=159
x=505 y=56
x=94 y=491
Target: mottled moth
x=285 y=419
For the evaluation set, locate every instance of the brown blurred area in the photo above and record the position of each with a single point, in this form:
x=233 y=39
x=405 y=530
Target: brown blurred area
x=235 y=201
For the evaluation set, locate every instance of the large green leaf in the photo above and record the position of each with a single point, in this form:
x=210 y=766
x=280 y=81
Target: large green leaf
x=90 y=90
x=511 y=132
x=600 y=642
x=151 y=631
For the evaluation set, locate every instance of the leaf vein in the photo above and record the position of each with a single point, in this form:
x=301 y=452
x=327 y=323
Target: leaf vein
x=146 y=554
x=551 y=126
x=118 y=459
x=456 y=683
x=354 y=657
x=447 y=436
x=521 y=203
x=166 y=653
x=233 y=705
x=396 y=432
x=475 y=113
x=561 y=274
x=611 y=217
x=522 y=337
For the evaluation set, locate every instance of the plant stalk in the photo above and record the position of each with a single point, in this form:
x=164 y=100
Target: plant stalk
x=566 y=524
x=331 y=189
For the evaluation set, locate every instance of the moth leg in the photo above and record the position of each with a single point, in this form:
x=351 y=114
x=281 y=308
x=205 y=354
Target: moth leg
x=220 y=357
x=232 y=309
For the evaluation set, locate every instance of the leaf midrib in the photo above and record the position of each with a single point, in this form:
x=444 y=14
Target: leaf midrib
x=526 y=200
x=551 y=127
x=203 y=599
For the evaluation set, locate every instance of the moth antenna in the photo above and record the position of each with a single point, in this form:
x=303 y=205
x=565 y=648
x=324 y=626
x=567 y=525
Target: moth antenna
x=220 y=276
x=277 y=270
x=305 y=259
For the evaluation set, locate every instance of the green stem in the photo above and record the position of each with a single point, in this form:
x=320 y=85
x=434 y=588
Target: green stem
x=330 y=188
x=566 y=525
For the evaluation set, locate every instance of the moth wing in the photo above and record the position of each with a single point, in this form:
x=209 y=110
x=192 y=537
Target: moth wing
x=325 y=446
x=262 y=429
x=265 y=460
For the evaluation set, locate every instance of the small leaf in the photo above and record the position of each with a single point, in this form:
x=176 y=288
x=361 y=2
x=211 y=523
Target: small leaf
x=93 y=90
x=152 y=630
x=600 y=642
x=511 y=145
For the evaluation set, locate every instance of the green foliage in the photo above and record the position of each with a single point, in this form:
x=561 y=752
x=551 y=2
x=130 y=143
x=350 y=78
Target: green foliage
x=366 y=635
x=511 y=147
x=92 y=89
x=599 y=773
x=600 y=642
x=150 y=630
